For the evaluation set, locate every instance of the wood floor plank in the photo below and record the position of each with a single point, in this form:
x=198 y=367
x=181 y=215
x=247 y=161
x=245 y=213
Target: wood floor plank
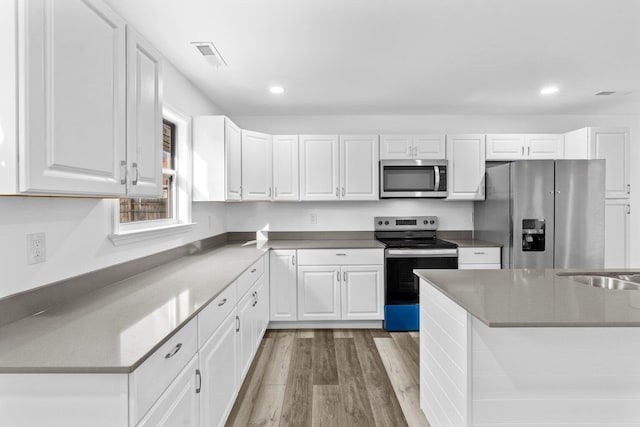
x=277 y=370
x=384 y=403
x=405 y=386
x=343 y=333
x=355 y=399
x=296 y=408
x=379 y=333
x=327 y=407
x=414 y=334
x=410 y=352
x=325 y=371
x=243 y=406
x=305 y=333
x=267 y=407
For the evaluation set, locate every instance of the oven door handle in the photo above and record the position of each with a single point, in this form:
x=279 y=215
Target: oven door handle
x=421 y=253
x=436 y=171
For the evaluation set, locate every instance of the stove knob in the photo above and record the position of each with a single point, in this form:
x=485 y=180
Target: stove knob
x=425 y=222
x=386 y=223
x=379 y=222
x=432 y=222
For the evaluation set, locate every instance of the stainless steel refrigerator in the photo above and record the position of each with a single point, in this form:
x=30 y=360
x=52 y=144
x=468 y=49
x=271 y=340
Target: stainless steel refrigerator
x=545 y=213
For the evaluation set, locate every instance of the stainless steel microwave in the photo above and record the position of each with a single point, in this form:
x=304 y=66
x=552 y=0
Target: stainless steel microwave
x=413 y=178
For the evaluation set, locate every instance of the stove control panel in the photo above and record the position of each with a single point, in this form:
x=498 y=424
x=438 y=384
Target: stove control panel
x=391 y=223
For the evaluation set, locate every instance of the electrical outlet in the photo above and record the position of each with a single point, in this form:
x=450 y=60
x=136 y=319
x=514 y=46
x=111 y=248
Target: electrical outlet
x=36 y=248
x=313 y=218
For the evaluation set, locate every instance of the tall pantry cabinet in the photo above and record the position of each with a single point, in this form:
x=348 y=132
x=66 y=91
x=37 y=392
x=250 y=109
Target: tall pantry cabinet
x=611 y=144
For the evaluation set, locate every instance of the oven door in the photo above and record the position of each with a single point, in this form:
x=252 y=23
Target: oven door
x=413 y=178
x=401 y=285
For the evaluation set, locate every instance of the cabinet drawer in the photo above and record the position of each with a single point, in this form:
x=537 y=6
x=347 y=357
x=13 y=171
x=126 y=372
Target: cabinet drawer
x=152 y=378
x=215 y=312
x=478 y=255
x=250 y=276
x=341 y=257
x=479 y=266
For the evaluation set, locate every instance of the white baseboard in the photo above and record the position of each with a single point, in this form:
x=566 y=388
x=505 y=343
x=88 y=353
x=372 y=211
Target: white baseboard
x=328 y=324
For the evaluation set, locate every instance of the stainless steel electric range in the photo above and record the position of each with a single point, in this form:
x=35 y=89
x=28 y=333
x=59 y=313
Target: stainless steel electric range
x=411 y=243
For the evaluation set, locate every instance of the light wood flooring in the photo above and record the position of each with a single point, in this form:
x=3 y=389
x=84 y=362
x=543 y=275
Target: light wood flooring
x=363 y=377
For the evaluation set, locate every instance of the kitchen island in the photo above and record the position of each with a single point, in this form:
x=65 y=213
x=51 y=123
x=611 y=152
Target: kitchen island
x=527 y=347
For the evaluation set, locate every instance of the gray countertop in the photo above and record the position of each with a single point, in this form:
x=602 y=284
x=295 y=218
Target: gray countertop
x=473 y=243
x=534 y=298
x=115 y=328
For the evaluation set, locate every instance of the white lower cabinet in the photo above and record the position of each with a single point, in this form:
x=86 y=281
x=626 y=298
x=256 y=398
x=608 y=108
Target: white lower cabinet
x=350 y=289
x=219 y=363
x=179 y=405
x=362 y=292
x=319 y=293
x=283 y=285
x=245 y=336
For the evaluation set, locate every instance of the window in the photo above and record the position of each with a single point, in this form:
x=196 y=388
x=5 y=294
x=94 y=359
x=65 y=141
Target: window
x=141 y=218
x=139 y=209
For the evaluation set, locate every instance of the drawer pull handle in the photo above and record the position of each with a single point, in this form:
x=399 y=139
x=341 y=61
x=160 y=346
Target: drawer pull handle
x=174 y=351
x=341 y=254
x=237 y=323
x=223 y=302
x=253 y=270
x=293 y=260
x=478 y=253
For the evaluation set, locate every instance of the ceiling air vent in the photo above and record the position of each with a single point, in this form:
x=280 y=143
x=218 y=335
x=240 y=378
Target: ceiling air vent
x=605 y=93
x=209 y=51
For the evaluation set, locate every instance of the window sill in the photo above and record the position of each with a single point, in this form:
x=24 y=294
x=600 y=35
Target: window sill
x=125 y=238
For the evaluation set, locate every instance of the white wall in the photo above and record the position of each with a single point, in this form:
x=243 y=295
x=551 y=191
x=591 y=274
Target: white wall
x=76 y=229
x=339 y=216
x=453 y=215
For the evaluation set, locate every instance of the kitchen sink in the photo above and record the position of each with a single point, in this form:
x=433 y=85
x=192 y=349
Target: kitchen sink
x=611 y=281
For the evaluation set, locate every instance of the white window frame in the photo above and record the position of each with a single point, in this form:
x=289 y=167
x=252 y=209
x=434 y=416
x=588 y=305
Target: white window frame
x=181 y=219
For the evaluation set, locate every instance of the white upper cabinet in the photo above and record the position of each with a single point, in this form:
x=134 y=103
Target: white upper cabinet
x=144 y=117
x=359 y=167
x=545 y=146
x=256 y=166
x=465 y=174
x=319 y=167
x=286 y=184
x=86 y=94
x=412 y=147
x=217 y=159
x=524 y=146
x=611 y=144
x=72 y=114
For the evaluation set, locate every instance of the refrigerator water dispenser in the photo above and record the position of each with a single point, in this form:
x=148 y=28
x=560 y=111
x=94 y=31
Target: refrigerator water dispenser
x=533 y=235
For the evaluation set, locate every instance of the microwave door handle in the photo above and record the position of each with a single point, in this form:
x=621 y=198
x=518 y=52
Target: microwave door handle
x=436 y=171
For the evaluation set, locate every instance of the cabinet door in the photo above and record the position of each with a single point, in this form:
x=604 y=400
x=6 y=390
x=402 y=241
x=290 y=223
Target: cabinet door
x=362 y=292
x=396 y=147
x=319 y=167
x=465 y=174
x=144 y=117
x=179 y=405
x=245 y=334
x=545 y=146
x=616 y=233
x=283 y=285
x=429 y=147
x=233 y=154
x=506 y=147
x=612 y=144
x=73 y=136
x=261 y=310
x=286 y=183
x=219 y=365
x=256 y=166
x=319 y=293
x=359 y=167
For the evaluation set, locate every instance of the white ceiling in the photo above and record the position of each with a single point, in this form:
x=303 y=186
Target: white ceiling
x=402 y=56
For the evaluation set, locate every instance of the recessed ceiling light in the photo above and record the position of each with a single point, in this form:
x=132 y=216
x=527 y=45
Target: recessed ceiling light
x=549 y=90
x=276 y=90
